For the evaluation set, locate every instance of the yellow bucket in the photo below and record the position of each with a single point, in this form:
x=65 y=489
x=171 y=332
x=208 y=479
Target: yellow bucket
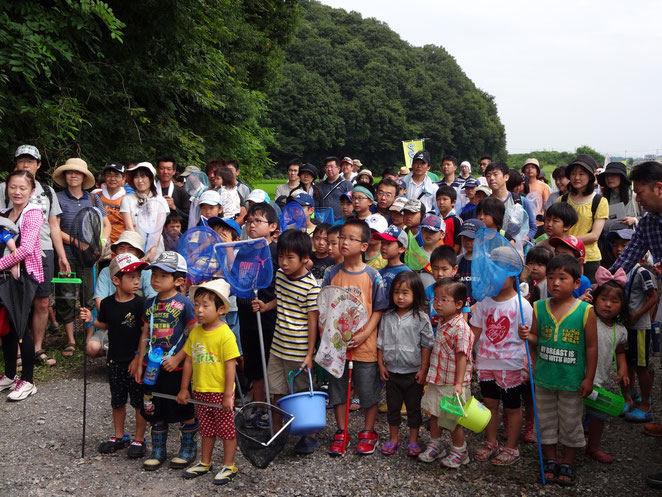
x=476 y=415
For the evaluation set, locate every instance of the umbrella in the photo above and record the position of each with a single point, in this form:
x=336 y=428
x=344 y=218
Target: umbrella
x=17 y=295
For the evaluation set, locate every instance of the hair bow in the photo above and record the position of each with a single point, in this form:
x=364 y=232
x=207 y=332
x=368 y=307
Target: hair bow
x=602 y=276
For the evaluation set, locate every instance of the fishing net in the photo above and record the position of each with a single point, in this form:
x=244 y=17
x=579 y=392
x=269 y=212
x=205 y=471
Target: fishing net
x=197 y=247
x=85 y=233
x=150 y=220
x=415 y=257
x=293 y=217
x=257 y=440
x=246 y=265
x=324 y=214
x=516 y=224
x=497 y=259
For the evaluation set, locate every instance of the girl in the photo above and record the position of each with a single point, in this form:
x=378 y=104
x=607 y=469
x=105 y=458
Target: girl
x=403 y=356
x=450 y=372
x=611 y=309
x=229 y=194
x=531 y=170
x=501 y=363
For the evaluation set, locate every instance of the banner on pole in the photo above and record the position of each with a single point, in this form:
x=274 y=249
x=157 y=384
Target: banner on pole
x=410 y=148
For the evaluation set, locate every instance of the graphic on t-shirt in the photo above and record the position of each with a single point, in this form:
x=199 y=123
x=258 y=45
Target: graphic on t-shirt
x=497 y=330
x=129 y=319
x=200 y=355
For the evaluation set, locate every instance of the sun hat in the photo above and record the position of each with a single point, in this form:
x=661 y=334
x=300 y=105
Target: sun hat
x=613 y=168
x=506 y=257
x=308 y=168
x=583 y=160
x=470 y=227
x=30 y=150
x=143 y=165
x=220 y=287
x=485 y=189
x=365 y=172
x=214 y=221
x=569 y=241
x=398 y=204
x=210 y=197
x=258 y=196
x=169 y=262
x=377 y=222
x=132 y=238
x=188 y=170
x=74 y=164
x=533 y=162
x=404 y=171
x=394 y=234
x=357 y=163
x=125 y=263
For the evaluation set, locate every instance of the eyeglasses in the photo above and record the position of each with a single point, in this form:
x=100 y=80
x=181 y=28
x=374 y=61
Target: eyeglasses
x=254 y=222
x=385 y=194
x=342 y=238
x=360 y=197
x=443 y=300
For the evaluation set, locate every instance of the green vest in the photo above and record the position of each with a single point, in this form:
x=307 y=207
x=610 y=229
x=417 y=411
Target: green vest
x=561 y=363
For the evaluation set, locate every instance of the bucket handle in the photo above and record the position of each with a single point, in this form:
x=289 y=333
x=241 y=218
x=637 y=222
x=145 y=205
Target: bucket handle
x=290 y=378
x=464 y=414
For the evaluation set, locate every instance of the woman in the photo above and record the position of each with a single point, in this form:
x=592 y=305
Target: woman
x=75 y=178
x=307 y=175
x=141 y=178
x=531 y=170
x=28 y=217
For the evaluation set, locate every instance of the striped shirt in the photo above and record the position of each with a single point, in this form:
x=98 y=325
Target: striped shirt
x=70 y=206
x=453 y=336
x=295 y=299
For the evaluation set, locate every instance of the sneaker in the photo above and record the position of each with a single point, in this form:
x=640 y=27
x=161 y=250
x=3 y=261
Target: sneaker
x=22 y=390
x=432 y=451
x=112 y=445
x=338 y=446
x=225 y=475
x=197 y=470
x=306 y=445
x=7 y=383
x=367 y=442
x=136 y=450
x=456 y=457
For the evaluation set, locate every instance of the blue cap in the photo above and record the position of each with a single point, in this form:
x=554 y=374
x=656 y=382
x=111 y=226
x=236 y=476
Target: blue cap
x=625 y=234
x=347 y=196
x=432 y=223
x=305 y=200
x=214 y=221
x=470 y=226
x=471 y=183
x=394 y=234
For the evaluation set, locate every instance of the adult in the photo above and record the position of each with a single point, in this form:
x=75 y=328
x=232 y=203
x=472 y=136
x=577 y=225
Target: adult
x=448 y=168
x=175 y=196
x=389 y=172
x=74 y=177
x=211 y=168
x=242 y=188
x=387 y=191
x=531 y=169
x=292 y=179
x=111 y=195
x=27 y=158
x=484 y=161
x=419 y=185
x=28 y=218
x=333 y=186
x=592 y=212
x=561 y=181
x=347 y=169
x=356 y=165
x=465 y=170
x=307 y=175
x=616 y=189
x=497 y=174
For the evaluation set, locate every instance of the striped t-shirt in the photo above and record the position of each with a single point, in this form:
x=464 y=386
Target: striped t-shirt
x=295 y=299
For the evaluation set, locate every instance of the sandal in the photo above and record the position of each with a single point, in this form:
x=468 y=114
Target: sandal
x=569 y=471
x=389 y=448
x=486 y=450
x=413 y=450
x=505 y=457
x=69 y=349
x=551 y=467
x=355 y=405
x=41 y=358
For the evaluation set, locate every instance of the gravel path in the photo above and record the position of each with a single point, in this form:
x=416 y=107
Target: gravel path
x=40 y=443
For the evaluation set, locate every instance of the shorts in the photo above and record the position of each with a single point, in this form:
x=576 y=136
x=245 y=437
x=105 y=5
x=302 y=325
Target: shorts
x=432 y=398
x=560 y=417
x=277 y=373
x=365 y=380
x=504 y=378
x=214 y=422
x=48 y=263
x=123 y=386
x=639 y=346
x=511 y=398
x=100 y=336
x=166 y=410
x=250 y=341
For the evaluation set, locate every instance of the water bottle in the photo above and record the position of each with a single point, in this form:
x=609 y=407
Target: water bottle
x=153 y=365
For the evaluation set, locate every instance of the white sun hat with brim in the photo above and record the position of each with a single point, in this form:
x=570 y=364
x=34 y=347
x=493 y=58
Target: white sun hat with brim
x=74 y=164
x=220 y=287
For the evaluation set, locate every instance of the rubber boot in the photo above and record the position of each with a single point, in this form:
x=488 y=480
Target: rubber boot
x=159 y=451
x=188 y=448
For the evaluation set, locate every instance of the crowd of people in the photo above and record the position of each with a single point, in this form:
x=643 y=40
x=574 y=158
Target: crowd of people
x=590 y=247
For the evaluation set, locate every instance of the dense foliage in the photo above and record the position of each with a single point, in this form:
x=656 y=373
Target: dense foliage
x=550 y=158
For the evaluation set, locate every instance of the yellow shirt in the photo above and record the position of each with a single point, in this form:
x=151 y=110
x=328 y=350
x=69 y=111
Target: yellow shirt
x=209 y=350
x=377 y=262
x=585 y=223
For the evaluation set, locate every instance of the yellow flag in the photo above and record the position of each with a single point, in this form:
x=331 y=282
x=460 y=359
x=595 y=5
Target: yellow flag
x=410 y=148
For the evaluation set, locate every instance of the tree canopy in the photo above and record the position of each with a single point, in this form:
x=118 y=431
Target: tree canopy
x=553 y=158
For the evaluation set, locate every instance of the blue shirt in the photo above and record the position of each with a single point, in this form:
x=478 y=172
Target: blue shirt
x=389 y=273
x=584 y=285
x=70 y=206
x=434 y=318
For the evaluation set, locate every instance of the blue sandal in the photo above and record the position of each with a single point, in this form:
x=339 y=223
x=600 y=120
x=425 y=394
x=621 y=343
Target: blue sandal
x=638 y=416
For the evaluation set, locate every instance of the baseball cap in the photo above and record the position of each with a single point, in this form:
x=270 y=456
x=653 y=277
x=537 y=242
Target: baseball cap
x=413 y=205
x=471 y=183
x=394 y=234
x=125 y=263
x=30 y=150
x=470 y=226
x=401 y=183
x=214 y=221
x=583 y=160
x=569 y=241
x=433 y=223
x=188 y=170
x=258 y=196
x=625 y=234
x=304 y=200
x=170 y=262
x=347 y=159
x=132 y=238
x=114 y=166
x=346 y=196
x=423 y=155
x=220 y=287
x=377 y=222
x=398 y=204
x=210 y=197
x=485 y=189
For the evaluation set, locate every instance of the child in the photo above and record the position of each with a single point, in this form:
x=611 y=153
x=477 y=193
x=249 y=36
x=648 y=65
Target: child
x=536 y=260
x=211 y=362
x=120 y=315
x=432 y=232
x=491 y=211
x=562 y=327
x=210 y=206
x=395 y=212
x=610 y=306
x=367 y=283
x=332 y=235
x=446 y=198
x=166 y=317
x=394 y=244
x=346 y=208
x=467 y=236
x=172 y=231
x=414 y=211
x=501 y=362
x=308 y=205
x=295 y=336
x=559 y=217
x=373 y=257
x=362 y=200
x=470 y=192
x=443 y=264
x=320 y=258
x=449 y=374
x=403 y=356
x=573 y=246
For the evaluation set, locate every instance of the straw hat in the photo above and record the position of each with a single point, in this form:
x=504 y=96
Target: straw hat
x=220 y=287
x=74 y=164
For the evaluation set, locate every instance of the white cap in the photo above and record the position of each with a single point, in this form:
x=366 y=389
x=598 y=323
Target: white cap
x=377 y=222
x=210 y=197
x=258 y=196
x=145 y=165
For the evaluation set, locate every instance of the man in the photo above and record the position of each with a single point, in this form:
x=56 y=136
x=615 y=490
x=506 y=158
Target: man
x=292 y=179
x=419 y=185
x=497 y=176
x=465 y=170
x=177 y=198
x=333 y=186
x=389 y=172
x=483 y=163
x=111 y=197
x=28 y=158
x=243 y=189
x=387 y=191
x=347 y=168
x=448 y=168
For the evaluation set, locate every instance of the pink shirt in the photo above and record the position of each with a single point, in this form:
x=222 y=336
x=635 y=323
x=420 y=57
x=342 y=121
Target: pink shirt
x=29 y=249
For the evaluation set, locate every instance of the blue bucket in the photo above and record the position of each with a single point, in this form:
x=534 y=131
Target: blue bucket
x=308 y=408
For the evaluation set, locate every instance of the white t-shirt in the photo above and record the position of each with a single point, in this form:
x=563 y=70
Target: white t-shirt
x=606 y=350
x=230 y=201
x=499 y=346
x=129 y=204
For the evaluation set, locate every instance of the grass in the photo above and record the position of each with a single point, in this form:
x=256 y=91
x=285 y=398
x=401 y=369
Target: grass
x=269 y=186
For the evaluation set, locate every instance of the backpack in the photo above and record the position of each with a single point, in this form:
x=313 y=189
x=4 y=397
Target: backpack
x=594 y=204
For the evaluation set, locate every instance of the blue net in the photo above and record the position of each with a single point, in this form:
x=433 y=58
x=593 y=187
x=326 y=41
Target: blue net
x=494 y=259
x=293 y=217
x=197 y=247
x=324 y=214
x=246 y=265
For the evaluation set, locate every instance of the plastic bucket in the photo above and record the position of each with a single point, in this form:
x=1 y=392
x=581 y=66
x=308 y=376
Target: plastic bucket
x=476 y=415
x=308 y=409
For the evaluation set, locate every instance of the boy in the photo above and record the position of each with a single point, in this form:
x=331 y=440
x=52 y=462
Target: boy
x=414 y=211
x=166 y=317
x=308 y=205
x=491 y=212
x=172 y=231
x=373 y=257
x=111 y=196
x=320 y=258
x=446 y=197
x=332 y=241
x=367 y=283
x=470 y=191
x=395 y=212
x=210 y=206
x=432 y=232
x=346 y=208
x=295 y=336
x=564 y=349
x=467 y=236
x=394 y=244
x=575 y=247
x=120 y=315
x=559 y=217
x=443 y=264
x=211 y=362
x=362 y=200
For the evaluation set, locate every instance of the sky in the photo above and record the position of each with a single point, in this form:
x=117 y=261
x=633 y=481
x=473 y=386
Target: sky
x=564 y=74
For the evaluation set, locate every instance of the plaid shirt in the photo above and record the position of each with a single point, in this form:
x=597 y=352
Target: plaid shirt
x=452 y=337
x=29 y=249
x=647 y=236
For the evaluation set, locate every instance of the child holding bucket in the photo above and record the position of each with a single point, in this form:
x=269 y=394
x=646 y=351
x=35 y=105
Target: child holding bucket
x=403 y=356
x=449 y=374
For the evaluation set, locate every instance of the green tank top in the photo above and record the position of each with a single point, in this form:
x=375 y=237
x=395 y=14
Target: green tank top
x=561 y=363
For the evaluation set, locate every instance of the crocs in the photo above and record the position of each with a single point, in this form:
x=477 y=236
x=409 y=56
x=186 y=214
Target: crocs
x=636 y=415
